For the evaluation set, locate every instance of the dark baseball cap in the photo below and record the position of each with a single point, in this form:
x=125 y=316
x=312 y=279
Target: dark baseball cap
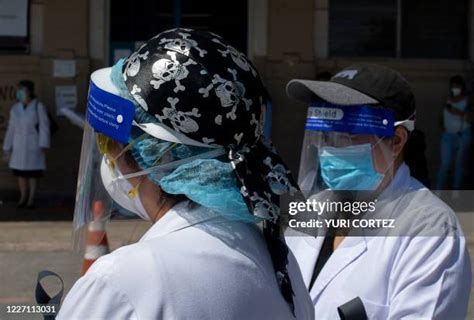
x=360 y=84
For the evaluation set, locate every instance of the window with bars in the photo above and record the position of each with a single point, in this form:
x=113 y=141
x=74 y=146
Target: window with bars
x=431 y=29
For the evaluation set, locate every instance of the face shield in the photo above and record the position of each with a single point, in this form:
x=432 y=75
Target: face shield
x=122 y=159
x=348 y=149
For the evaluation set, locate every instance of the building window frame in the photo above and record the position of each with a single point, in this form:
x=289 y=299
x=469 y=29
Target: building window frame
x=321 y=43
x=18 y=45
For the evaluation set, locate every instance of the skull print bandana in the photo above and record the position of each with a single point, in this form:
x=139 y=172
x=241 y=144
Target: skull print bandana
x=198 y=85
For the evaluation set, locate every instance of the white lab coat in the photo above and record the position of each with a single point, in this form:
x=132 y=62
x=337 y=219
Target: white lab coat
x=191 y=264
x=24 y=140
x=399 y=277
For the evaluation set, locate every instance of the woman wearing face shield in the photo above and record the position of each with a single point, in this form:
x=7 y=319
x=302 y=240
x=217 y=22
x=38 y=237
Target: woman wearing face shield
x=403 y=255
x=174 y=136
x=26 y=141
x=456 y=138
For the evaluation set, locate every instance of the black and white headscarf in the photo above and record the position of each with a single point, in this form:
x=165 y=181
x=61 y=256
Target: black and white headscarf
x=197 y=84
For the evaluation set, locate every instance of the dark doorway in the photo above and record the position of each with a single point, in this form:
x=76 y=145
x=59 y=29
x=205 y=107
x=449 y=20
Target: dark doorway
x=135 y=21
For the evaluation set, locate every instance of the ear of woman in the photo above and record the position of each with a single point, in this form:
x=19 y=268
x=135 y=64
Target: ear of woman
x=400 y=138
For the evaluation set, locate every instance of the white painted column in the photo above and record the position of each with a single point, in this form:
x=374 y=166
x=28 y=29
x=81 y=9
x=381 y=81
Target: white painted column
x=36 y=27
x=471 y=31
x=321 y=29
x=98 y=29
x=257 y=34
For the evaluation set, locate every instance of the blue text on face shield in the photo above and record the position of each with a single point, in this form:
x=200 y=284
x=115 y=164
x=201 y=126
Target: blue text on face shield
x=349 y=168
x=353 y=119
x=110 y=114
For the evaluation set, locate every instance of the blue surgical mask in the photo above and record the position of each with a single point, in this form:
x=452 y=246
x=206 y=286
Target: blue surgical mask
x=20 y=95
x=349 y=168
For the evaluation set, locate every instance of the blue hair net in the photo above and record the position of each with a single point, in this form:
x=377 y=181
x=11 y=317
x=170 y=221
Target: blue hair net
x=148 y=150
x=117 y=79
x=209 y=182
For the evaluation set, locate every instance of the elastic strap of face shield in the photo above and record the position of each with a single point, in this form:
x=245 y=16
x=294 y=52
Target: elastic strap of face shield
x=214 y=153
x=134 y=191
x=408 y=124
x=104 y=144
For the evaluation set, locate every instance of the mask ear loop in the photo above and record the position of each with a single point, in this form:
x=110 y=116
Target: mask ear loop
x=132 y=193
x=392 y=162
x=112 y=162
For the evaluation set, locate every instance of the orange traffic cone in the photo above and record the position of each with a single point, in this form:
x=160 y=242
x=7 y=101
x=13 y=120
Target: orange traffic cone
x=97 y=244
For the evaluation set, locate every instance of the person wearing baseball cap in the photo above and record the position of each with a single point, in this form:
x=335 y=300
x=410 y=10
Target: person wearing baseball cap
x=403 y=254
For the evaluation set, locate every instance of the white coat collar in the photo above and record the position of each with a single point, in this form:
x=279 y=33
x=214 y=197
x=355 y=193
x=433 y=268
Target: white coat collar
x=182 y=215
x=400 y=181
x=348 y=251
x=31 y=103
x=306 y=250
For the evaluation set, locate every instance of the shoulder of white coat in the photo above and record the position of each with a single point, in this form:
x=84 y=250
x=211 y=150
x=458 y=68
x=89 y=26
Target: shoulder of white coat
x=41 y=106
x=15 y=106
x=424 y=214
x=123 y=262
x=129 y=270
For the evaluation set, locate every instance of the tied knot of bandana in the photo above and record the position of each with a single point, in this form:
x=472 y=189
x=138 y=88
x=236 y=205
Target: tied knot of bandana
x=263 y=178
x=235 y=157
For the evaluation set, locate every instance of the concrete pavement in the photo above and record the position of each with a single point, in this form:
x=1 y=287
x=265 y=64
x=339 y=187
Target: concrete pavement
x=29 y=247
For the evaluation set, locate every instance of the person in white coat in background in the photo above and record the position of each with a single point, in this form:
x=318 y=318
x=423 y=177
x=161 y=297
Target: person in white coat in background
x=391 y=249
x=26 y=141
x=174 y=135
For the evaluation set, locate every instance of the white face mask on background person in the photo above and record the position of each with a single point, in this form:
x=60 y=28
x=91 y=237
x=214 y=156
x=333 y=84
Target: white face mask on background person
x=456 y=92
x=118 y=189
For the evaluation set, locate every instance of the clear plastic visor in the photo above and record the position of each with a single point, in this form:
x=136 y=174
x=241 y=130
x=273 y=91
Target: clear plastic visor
x=92 y=200
x=347 y=148
x=110 y=181
x=344 y=162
